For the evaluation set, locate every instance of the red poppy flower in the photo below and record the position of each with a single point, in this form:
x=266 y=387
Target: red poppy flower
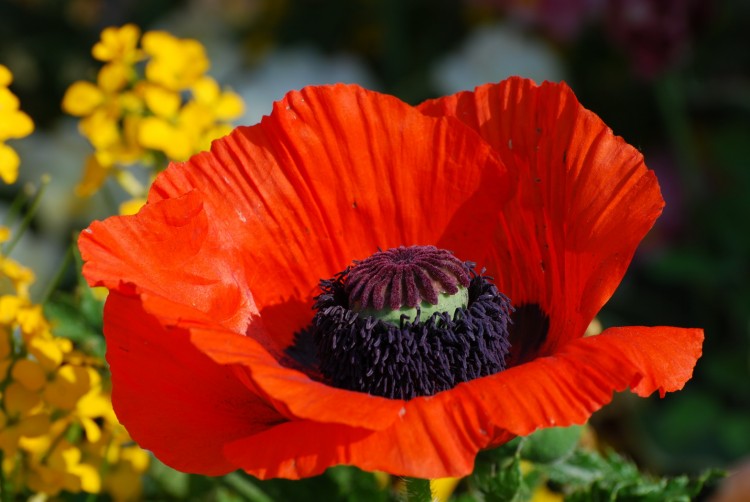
x=212 y=283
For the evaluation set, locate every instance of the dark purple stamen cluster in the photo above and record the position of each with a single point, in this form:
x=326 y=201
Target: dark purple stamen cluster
x=404 y=277
x=414 y=359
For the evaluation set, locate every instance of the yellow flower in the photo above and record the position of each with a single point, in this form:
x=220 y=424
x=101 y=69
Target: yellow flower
x=30 y=374
x=6 y=77
x=225 y=105
x=13 y=124
x=82 y=98
x=63 y=469
x=101 y=128
x=47 y=351
x=10 y=305
x=18 y=400
x=161 y=101
x=70 y=384
x=118 y=44
x=19 y=276
x=12 y=429
x=33 y=324
x=159 y=134
x=114 y=76
x=175 y=63
x=9 y=163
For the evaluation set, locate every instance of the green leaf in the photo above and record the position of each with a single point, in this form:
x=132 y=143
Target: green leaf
x=497 y=475
x=68 y=321
x=589 y=476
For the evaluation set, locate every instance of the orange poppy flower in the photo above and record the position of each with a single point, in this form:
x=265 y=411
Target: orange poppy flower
x=212 y=282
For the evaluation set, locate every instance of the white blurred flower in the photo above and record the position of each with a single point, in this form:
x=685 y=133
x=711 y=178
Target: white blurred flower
x=287 y=69
x=493 y=53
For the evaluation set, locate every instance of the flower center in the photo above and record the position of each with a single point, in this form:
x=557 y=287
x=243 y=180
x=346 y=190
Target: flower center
x=409 y=322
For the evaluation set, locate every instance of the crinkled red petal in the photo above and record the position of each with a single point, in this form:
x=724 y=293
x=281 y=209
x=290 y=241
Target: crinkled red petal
x=294 y=393
x=583 y=200
x=440 y=435
x=333 y=174
x=166 y=255
x=174 y=400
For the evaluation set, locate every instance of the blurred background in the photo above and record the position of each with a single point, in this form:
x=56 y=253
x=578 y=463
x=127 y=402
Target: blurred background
x=670 y=76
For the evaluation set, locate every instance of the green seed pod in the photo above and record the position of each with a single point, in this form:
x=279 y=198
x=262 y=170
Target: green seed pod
x=549 y=445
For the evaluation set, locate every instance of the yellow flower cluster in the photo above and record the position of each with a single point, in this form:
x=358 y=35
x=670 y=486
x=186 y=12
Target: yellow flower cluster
x=57 y=428
x=13 y=124
x=151 y=102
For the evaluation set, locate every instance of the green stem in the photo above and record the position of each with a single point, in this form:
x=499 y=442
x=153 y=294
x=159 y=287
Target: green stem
x=15 y=207
x=418 y=490
x=245 y=487
x=27 y=218
x=55 y=281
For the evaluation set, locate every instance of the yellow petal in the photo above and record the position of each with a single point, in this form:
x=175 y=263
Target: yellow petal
x=15 y=124
x=159 y=42
x=9 y=307
x=9 y=162
x=6 y=77
x=19 y=400
x=29 y=374
x=46 y=351
x=101 y=128
x=206 y=90
x=82 y=98
x=5 y=346
x=132 y=206
x=90 y=481
x=69 y=385
x=163 y=102
x=229 y=106
x=443 y=488
x=94 y=175
x=34 y=425
x=113 y=76
x=8 y=100
x=157 y=134
x=544 y=494
x=117 y=44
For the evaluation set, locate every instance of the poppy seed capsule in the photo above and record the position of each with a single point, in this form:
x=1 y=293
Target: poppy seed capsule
x=407 y=281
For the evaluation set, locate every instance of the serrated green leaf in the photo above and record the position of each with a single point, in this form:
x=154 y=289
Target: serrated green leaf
x=589 y=476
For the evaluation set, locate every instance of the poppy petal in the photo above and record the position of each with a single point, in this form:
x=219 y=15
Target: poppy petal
x=416 y=445
x=449 y=428
x=567 y=387
x=584 y=200
x=184 y=420
x=164 y=254
x=331 y=175
x=293 y=392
